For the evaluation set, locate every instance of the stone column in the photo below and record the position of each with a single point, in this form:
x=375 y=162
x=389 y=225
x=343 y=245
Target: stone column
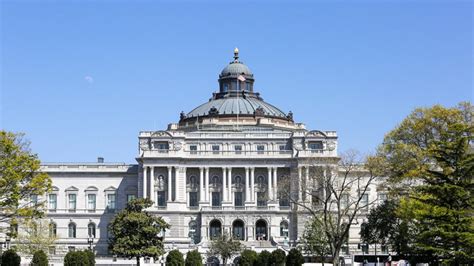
x=300 y=194
x=307 y=185
x=145 y=185
x=206 y=181
x=152 y=185
x=229 y=184
x=275 y=183
x=201 y=184
x=247 y=185
x=170 y=182
x=224 y=184
x=270 y=183
x=252 y=184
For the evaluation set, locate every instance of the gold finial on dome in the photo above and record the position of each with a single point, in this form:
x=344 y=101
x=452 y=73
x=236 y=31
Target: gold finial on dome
x=236 y=54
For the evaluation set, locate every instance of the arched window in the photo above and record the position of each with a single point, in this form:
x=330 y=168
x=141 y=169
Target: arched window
x=72 y=230
x=238 y=230
x=215 y=180
x=238 y=180
x=192 y=181
x=284 y=229
x=261 y=230
x=215 y=229
x=261 y=180
x=91 y=230
x=193 y=231
x=53 y=229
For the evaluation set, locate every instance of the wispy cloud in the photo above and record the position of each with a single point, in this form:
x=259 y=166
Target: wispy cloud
x=89 y=79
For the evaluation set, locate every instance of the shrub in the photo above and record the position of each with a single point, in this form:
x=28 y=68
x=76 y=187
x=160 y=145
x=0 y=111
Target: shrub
x=264 y=258
x=90 y=256
x=248 y=257
x=10 y=258
x=39 y=259
x=175 y=258
x=76 y=258
x=278 y=257
x=193 y=258
x=294 y=258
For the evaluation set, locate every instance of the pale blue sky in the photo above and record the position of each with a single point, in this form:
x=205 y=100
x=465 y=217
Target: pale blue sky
x=81 y=79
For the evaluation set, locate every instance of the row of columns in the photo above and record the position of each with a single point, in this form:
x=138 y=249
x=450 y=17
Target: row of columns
x=204 y=195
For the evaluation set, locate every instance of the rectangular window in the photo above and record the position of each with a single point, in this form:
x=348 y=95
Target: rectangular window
x=111 y=201
x=72 y=201
x=193 y=149
x=161 y=200
x=215 y=149
x=71 y=248
x=91 y=200
x=364 y=202
x=238 y=200
x=131 y=197
x=315 y=145
x=261 y=199
x=344 y=201
x=216 y=199
x=52 y=250
x=53 y=201
x=34 y=200
x=282 y=147
x=382 y=197
x=161 y=145
x=260 y=149
x=238 y=149
x=193 y=199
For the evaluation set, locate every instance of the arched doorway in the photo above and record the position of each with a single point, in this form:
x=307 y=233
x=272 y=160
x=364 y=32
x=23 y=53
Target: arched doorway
x=215 y=229
x=238 y=230
x=261 y=230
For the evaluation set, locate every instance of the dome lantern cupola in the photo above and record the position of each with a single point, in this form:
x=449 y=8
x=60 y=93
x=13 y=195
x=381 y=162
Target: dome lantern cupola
x=236 y=77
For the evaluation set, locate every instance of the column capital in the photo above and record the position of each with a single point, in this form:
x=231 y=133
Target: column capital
x=169 y=167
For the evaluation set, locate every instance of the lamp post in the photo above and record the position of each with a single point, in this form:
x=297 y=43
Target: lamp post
x=90 y=240
x=7 y=242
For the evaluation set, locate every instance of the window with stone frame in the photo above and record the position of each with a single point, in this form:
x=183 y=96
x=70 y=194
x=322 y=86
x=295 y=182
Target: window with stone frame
x=193 y=199
x=238 y=199
x=52 y=201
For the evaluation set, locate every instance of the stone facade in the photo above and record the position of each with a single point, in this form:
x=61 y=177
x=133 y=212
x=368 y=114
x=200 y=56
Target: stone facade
x=215 y=171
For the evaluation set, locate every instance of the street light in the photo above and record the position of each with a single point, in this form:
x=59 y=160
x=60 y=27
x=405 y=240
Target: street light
x=90 y=240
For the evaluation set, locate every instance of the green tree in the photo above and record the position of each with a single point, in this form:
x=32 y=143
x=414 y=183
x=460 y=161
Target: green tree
x=21 y=181
x=387 y=226
x=175 y=258
x=314 y=239
x=429 y=158
x=264 y=258
x=34 y=235
x=10 y=258
x=193 y=258
x=294 y=258
x=248 y=257
x=278 y=257
x=39 y=259
x=135 y=232
x=225 y=247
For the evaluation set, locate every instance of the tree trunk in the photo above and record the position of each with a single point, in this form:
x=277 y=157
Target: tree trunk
x=335 y=257
x=138 y=260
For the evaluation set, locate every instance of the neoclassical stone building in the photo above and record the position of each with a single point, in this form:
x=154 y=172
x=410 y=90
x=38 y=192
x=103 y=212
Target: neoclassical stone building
x=217 y=170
